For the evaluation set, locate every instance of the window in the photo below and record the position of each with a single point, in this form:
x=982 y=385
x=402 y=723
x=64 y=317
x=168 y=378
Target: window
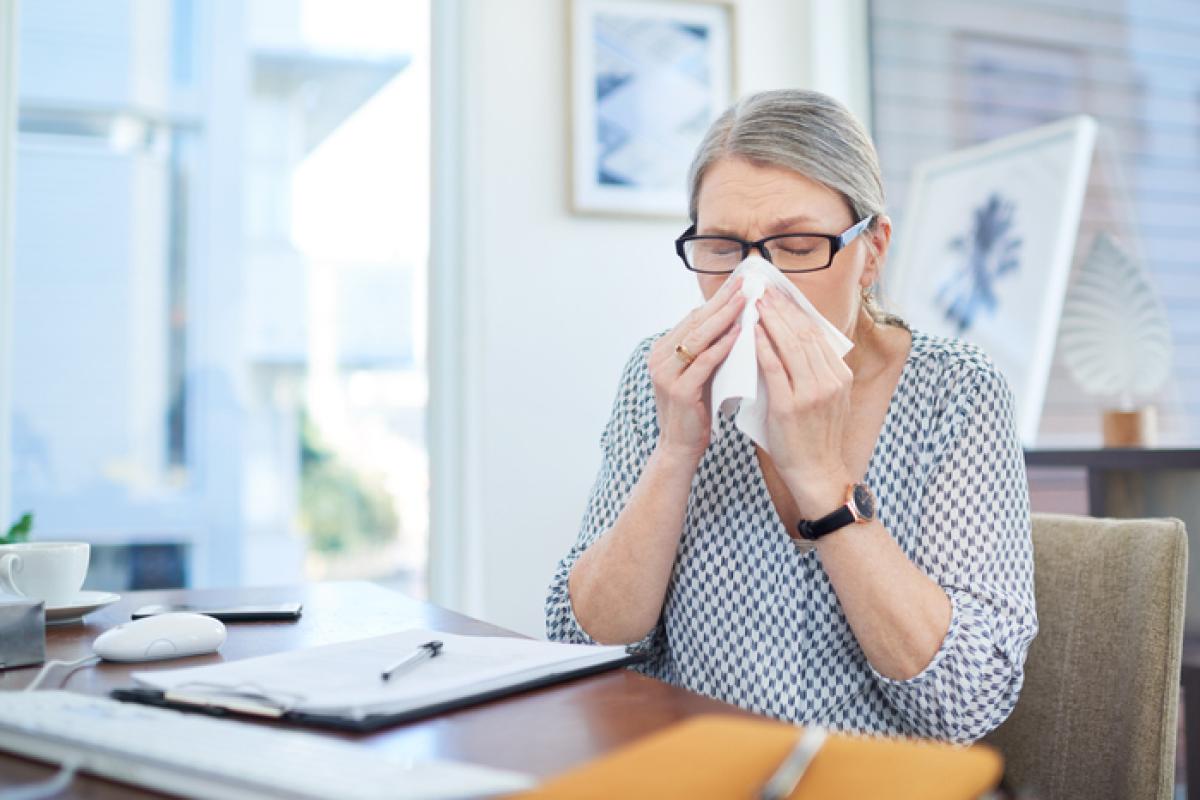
x=219 y=308
x=949 y=74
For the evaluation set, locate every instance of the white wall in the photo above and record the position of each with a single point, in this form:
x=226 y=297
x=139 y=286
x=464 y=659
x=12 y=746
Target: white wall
x=549 y=304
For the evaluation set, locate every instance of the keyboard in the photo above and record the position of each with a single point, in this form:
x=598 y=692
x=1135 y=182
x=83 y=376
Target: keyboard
x=205 y=757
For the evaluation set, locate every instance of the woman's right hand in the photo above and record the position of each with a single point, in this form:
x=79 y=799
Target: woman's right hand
x=682 y=390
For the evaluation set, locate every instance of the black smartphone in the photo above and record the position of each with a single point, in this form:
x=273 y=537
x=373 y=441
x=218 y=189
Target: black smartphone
x=250 y=612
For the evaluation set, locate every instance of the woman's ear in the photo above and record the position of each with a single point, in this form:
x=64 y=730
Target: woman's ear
x=880 y=234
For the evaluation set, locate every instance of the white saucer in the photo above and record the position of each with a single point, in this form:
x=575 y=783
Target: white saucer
x=74 y=609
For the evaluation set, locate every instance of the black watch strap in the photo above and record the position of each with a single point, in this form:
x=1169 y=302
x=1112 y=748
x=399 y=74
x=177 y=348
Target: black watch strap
x=816 y=528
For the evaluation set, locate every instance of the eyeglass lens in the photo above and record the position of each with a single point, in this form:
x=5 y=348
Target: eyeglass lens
x=787 y=252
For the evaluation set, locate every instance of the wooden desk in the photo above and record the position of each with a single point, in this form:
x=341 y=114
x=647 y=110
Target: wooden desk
x=541 y=732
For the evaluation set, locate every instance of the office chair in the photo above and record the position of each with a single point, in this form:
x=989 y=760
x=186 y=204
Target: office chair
x=1098 y=712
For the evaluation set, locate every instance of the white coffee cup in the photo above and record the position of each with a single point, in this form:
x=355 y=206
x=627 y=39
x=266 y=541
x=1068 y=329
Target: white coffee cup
x=49 y=571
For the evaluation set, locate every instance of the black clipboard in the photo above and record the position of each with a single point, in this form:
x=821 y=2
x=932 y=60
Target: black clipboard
x=370 y=722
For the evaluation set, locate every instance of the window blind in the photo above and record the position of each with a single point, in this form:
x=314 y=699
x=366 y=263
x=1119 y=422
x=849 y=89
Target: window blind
x=950 y=73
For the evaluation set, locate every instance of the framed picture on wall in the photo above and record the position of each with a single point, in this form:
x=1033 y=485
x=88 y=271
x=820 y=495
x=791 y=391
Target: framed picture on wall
x=984 y=250
x=647 y=79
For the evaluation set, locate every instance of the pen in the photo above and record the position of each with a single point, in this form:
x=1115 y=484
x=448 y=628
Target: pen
x=785 y=779
x=427 y=650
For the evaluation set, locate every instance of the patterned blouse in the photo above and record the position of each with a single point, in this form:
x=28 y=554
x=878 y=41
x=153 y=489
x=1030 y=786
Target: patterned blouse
x=751 y=619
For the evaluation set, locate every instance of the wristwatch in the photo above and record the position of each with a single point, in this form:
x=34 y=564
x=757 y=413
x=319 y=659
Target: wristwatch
x=859 y=507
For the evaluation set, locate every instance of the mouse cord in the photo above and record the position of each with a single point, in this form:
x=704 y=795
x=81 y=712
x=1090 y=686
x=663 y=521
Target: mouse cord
x=60 y=780
x=43 y=789
x=50 y=665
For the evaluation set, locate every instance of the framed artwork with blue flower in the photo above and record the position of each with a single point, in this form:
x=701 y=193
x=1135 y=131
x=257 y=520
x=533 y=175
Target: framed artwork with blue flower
x=647 y=79
x=985 y=245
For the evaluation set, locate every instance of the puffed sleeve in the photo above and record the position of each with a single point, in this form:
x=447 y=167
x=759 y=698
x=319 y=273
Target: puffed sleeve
x=975 y=543
x=625 y=445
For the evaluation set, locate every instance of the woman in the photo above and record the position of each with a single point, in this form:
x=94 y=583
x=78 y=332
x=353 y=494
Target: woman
x=908 y=609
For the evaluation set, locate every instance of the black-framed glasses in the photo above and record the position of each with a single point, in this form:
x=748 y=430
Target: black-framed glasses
x=789 y=252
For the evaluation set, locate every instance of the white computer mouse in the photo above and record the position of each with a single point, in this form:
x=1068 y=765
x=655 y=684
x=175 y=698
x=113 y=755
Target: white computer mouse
x=162 y=636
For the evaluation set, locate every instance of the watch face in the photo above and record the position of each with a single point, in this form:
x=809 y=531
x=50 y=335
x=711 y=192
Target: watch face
x=864 y=501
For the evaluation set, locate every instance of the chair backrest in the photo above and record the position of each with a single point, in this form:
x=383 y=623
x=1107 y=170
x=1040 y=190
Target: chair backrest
x=1098 y=710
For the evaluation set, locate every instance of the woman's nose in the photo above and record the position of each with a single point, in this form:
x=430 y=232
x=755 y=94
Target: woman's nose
x=761 y=247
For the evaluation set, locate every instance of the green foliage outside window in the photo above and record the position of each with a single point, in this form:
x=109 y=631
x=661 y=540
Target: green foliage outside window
x=341 y=508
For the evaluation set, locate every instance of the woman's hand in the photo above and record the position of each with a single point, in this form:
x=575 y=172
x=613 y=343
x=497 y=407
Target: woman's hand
x=808 y=399
x=682 y=390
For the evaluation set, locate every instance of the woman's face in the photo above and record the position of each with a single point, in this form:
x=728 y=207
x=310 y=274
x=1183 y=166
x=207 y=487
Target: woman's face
x=738 y=198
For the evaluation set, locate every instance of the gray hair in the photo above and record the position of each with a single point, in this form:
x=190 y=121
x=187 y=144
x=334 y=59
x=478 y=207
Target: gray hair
x=807 y=132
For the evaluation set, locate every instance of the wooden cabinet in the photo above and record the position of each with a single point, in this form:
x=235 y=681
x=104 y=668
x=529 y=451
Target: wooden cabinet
x=1126 y=483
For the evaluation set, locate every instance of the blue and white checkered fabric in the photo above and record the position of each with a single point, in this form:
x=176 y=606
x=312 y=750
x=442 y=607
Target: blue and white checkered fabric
x=750 y=620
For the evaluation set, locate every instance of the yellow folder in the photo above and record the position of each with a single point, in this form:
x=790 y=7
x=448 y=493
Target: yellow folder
x=727 y=757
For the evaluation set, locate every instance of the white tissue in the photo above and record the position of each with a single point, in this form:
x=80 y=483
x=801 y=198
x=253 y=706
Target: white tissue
x=738 y=388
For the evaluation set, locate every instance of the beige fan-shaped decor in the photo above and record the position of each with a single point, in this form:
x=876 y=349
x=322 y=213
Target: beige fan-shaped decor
x=1114 y=334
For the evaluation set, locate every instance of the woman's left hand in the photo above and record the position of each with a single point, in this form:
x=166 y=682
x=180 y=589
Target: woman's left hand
x=808 y=400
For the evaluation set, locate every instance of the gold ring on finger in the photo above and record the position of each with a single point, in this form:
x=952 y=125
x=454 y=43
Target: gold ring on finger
x=684 y=354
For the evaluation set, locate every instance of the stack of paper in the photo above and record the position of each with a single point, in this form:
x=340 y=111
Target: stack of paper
x=345 y=680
